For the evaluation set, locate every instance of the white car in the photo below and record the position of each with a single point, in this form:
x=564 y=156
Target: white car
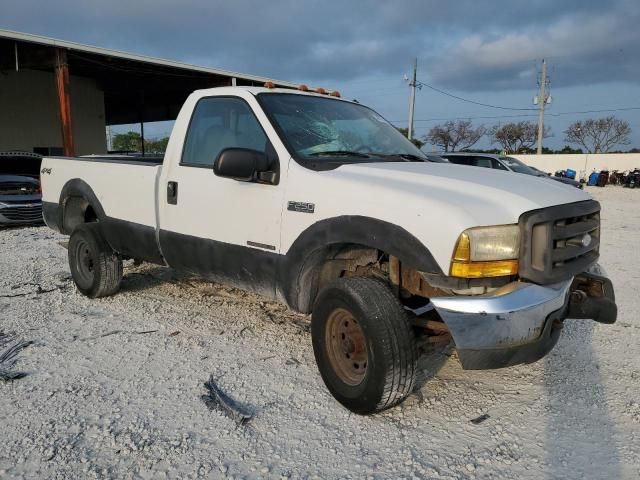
x=319 y=202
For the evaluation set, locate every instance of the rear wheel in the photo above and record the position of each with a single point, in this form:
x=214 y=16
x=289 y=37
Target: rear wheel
x=96 y=269
x=364 y=345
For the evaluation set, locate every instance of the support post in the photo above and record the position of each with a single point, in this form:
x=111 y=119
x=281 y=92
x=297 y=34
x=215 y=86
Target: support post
x=141 y=115
x=64 y=101
x=142 y=136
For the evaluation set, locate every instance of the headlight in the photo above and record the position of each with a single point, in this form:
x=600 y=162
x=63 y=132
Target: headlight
x=487 y=252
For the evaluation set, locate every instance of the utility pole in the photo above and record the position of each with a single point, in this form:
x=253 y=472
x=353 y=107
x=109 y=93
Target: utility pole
x=412 y=104
x=542 y=101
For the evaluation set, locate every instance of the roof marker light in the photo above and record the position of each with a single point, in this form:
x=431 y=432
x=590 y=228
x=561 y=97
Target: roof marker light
x=269 y=85
x=321 y=91
x=303 y=87
x=335 y=93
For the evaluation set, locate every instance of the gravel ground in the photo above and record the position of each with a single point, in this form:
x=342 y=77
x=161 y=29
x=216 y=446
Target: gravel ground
x=114 y=385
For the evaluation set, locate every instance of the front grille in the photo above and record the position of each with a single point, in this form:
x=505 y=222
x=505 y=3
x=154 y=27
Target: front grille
x=559 y=242
x=23 y=214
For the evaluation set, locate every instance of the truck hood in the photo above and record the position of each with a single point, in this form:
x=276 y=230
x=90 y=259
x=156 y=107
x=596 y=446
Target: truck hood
x=434 y=202
x=506 y=195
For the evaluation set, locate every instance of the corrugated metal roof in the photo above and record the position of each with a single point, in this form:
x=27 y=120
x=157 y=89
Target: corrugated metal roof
x=53 y=42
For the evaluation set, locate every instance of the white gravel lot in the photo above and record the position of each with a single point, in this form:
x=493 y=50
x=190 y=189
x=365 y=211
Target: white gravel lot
x=104 y=400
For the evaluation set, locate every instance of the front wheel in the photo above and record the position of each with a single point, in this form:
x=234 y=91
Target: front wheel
x=96 y=269
x=364 y=345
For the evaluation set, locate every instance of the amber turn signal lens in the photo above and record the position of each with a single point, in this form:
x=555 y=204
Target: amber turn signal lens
x=500 y=268
x=335 y=93
x=463 y=249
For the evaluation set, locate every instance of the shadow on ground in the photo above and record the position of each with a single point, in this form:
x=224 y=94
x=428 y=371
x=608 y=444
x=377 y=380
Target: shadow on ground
x=580 y=435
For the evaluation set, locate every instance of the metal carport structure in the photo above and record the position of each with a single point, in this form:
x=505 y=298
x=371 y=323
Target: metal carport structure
x=136 y=88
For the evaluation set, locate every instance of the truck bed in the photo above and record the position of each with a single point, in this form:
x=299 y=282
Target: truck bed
x=124 y=187
x=122 y=158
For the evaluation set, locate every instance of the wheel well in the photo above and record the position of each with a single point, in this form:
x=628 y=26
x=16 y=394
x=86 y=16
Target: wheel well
x=90 y=215
x=351 y=260
x=77 y=210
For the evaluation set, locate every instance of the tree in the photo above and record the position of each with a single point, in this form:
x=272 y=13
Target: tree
x=598 y=135
x=158 y=145
x=516 y=137
x=455 y=135
x=568 y=149
x=130 y=141
x=417 y=142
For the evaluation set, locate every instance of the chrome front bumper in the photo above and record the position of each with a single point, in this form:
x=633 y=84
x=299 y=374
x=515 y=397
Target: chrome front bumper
x=520 y=322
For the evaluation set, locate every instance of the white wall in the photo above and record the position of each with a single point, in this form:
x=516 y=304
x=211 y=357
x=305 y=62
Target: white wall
x=584 y=164
x=29 y=112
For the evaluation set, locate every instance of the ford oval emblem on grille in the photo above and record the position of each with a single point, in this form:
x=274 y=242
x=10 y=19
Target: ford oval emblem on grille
x=586 y=240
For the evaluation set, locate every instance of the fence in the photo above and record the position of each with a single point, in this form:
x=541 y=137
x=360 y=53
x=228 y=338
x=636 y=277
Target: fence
x=583 y=164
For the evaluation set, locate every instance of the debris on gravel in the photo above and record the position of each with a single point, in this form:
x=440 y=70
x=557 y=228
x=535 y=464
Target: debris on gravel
x=8 y=357
x=217 y=399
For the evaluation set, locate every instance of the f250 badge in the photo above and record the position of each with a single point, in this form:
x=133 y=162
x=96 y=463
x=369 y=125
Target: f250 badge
x=46 y=170
x=303 y=207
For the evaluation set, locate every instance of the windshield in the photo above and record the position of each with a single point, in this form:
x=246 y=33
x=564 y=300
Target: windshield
x=517 y=166
x=318 y=129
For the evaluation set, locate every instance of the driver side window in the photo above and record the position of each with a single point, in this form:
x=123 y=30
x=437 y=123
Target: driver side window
x=497 y=165
x=218 y=123
x=483 y=162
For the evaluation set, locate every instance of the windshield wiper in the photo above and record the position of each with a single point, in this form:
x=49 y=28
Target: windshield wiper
x=339 y=153
x=411 y=157
x=405 y=156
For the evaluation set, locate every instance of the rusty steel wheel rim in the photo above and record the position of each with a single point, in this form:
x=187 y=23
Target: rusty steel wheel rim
x=346 y=347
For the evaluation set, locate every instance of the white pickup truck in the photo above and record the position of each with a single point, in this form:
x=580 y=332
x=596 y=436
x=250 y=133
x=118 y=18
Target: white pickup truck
x=319 y=202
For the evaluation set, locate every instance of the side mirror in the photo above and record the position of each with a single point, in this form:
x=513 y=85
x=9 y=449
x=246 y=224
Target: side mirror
x=242 y=164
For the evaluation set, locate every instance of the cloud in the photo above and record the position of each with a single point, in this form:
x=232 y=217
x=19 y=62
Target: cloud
x=467 y=44
x=586 y=49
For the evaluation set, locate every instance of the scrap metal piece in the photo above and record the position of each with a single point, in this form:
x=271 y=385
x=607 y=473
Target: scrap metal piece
x=480 y=419
x=216 y=398
x=8 y=357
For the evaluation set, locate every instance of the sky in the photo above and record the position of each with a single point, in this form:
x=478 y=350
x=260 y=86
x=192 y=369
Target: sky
x=484 y=51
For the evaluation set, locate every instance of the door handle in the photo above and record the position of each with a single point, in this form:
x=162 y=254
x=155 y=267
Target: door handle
x=172 y=193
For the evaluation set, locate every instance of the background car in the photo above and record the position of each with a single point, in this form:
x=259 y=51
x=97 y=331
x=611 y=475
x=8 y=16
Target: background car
x=436 y=158
x=500 y=162
x=20 y=193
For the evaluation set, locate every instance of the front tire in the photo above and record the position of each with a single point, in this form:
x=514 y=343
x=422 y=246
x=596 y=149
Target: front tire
x=364 y=345
x=96 y=269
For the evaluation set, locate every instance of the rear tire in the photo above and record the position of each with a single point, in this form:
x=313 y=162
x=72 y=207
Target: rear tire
x=364 y=345
x=96 y=269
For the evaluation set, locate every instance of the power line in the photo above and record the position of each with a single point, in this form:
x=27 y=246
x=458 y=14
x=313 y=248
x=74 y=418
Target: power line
x=555 y=114
x=423 y=84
